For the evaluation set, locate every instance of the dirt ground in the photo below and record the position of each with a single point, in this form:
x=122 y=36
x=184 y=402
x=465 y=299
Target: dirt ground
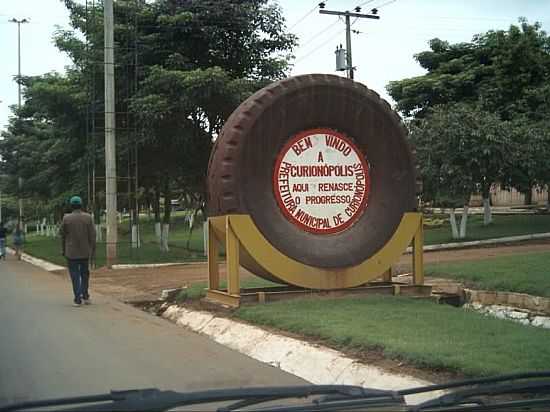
x=144 y=284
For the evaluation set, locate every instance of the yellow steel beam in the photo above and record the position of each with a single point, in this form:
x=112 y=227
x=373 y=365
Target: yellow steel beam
x=232 y=258
x=418 y=255
x=387 y=275
x=213 y=254
x=296 y=273
x=224 y=298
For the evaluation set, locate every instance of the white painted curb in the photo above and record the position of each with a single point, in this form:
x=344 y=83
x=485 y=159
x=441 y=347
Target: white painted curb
x=459 y=245
x=152 y=265
x=314 y=363
x=41 y=263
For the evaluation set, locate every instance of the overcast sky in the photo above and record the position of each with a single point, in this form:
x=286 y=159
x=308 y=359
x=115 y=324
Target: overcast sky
x=382 y=51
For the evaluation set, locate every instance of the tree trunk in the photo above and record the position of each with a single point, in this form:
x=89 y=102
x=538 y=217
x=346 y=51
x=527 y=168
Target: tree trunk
x=487 y=215
x=98 y=233
x=156 y=210
x=454 y=227
x=528 y=196
x=464 y=222
x=166 y=218
x=136 y=224
x=164 y=237
x=135 y=236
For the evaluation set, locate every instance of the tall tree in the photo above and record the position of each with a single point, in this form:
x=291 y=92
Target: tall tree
x=182 y=67
x=461 y=149
x=505 y=72
x=529 y=164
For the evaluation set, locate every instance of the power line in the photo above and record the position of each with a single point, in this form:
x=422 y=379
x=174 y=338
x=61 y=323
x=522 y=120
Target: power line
x=301 y=19
x=327 y=31
x=364 y=3
x=315 y=36
x=318 y=47
x=385 y=4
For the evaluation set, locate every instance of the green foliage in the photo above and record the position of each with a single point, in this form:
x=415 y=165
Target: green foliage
x=461 y=149
x=517 y=273
x=529 y=156
x=414 y=330
x=196 y=62
x=506 y=72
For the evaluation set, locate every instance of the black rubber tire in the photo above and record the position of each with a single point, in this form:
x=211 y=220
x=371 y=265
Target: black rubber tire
x=242 y=161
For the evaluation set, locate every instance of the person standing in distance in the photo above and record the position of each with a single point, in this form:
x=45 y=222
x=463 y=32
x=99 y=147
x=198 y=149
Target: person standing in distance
x=78 y=247
x=3 y=234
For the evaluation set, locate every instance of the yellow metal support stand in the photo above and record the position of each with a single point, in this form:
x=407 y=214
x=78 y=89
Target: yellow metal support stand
x=213 y=254
x=418 y=255
x=244 y=244
x=387 y=275
x=232 y=259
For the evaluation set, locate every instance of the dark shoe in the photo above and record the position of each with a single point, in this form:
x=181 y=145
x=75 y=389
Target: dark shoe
x=77 y=303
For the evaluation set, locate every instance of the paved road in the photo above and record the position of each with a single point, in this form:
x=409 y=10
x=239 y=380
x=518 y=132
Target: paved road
x=49 y=348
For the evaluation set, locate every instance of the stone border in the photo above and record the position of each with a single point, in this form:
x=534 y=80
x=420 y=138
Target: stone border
x=537 y=304
x=524 y=317
x=314 y=363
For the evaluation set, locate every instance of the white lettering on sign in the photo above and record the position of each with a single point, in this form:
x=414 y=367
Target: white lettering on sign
x=321 y=181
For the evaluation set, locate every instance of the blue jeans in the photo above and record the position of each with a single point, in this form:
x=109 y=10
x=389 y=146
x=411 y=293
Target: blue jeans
x=2 y=246
x=80 y=275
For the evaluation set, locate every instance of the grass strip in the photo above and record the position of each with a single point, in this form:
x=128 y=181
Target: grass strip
x=416 y=330
x=526 y=273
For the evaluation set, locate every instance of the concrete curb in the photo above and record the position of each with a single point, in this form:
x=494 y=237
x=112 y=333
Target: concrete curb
x=461 y=245
x=314 y=363
x=41 y=263
x=154 y=265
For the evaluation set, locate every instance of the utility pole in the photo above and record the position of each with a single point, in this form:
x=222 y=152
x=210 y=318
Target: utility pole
x=19 y=179
x=347 y=15
x=110 y=142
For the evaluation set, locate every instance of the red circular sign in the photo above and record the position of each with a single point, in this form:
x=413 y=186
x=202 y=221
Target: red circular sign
x=321 y=181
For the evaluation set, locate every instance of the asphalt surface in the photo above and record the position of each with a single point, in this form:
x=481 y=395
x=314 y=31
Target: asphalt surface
x=48 y=348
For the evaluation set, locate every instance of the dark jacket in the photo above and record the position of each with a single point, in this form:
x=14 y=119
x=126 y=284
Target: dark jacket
x=78 y=235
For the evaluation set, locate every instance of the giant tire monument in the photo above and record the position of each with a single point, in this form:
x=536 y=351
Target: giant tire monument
x=312 y=184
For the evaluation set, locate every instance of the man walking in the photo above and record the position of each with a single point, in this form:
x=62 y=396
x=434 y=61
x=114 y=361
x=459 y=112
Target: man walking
x=78 y=246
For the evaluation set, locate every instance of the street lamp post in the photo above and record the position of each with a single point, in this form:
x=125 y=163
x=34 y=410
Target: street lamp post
x=19 y=179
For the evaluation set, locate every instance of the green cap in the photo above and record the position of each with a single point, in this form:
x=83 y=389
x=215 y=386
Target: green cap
x=75 y=200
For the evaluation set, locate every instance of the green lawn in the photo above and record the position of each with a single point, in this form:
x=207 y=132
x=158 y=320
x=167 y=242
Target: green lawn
x=183 y=250
x=528 y=273
x=418 y=331
x=50 y=248
x=502 y=226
